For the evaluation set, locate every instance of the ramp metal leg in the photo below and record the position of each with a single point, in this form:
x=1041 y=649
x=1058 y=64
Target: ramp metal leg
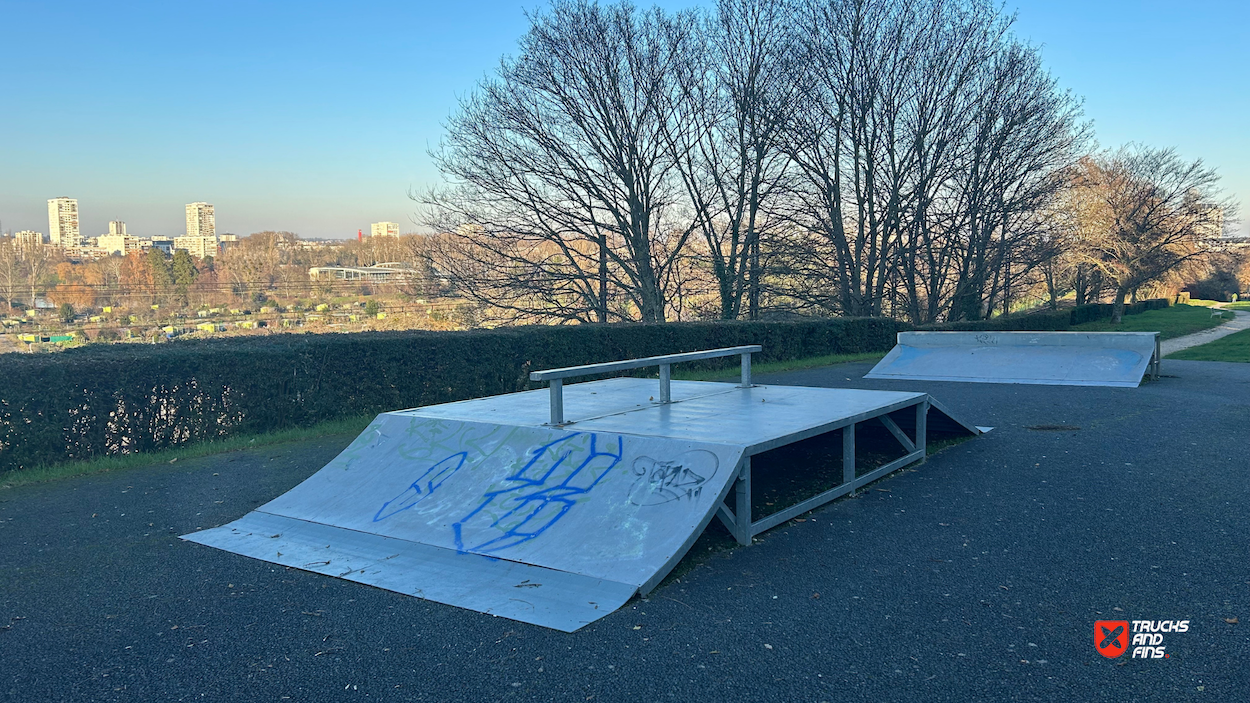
x=922 y=427
x=557 y=401
x=1157 y=366
x=742 y=504
x=848 y=454
x=666 y=377
x=746 y=371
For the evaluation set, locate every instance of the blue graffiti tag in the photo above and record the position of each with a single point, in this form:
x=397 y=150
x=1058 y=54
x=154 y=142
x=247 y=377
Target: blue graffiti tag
x=423 y=486
x=529 y=506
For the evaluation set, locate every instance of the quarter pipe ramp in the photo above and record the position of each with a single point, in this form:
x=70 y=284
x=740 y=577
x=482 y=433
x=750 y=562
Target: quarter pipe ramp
x=1118 y=359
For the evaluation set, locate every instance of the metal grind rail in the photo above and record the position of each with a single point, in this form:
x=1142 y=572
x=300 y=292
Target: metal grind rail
x=556 y=377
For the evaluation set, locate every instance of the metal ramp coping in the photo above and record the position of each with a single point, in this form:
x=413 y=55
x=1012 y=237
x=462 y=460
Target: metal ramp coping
x=1116 y=359
x=485 y=505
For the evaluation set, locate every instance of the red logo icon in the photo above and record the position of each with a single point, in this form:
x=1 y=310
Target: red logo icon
x=1111 y=637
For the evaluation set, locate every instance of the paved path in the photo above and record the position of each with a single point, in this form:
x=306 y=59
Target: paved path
x=1237 y=324
x=978 y=576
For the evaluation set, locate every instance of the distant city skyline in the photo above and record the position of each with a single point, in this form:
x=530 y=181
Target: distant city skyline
x=287 y=134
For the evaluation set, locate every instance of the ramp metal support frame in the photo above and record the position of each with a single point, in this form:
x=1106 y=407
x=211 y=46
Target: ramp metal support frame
x=739 y=522
x=665 y=363
x=1156 y=364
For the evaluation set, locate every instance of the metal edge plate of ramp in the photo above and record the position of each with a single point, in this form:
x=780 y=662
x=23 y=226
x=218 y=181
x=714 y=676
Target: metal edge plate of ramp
x=1115 y=359
x=547 y=526
x=533 y=594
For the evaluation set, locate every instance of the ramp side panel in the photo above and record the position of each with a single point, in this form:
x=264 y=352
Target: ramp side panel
x=522 y=592
x=940 y=422
x=604 y=505
x=1118 y=360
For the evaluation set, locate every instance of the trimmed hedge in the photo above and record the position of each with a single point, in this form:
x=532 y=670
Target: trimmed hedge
x=1052 y=320
x=115 y=399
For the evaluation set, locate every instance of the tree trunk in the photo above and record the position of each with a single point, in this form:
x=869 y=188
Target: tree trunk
x=753 y=293
x=602 y=312
x=1052 y=292
x=1117 y=309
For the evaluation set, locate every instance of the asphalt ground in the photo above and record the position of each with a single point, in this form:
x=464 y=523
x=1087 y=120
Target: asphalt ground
x=977 y=576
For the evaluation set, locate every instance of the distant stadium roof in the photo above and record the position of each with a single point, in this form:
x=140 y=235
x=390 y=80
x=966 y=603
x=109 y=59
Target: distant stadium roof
x=386 y=272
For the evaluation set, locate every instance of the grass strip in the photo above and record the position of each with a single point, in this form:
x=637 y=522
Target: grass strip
x=775 y=366
x=1234 y=347
x=1172 y=322
x=40 y=474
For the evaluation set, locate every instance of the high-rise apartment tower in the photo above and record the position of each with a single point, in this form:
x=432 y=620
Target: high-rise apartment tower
x=63 y=223
x=385 y=229
x=200 y=220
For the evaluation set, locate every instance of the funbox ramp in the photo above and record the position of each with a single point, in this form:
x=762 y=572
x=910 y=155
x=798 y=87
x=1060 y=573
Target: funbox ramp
x=1118 y=359
x=543 y=525
x=481 y=505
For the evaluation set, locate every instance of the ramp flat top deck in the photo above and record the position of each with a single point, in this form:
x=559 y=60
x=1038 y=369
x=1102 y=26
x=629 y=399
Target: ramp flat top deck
x=1117 y=359
x=753 y=419
x=482 y=505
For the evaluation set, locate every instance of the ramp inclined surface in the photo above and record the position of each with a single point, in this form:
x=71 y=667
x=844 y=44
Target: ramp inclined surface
x=1117 y=359
x=546 y=515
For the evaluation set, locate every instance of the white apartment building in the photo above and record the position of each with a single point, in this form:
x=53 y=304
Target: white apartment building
x=28 y=239
x=201 y=239
x=121 y=244
x=199 y=247
x=63 y=223
x=384 y=229
x=200 y=220
x=117 y=241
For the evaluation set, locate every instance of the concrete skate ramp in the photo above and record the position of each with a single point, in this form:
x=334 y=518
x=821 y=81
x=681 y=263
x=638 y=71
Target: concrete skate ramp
x=1117 y=359
x=543 y=525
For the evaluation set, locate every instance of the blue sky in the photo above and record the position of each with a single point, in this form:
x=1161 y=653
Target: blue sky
x=316 y=117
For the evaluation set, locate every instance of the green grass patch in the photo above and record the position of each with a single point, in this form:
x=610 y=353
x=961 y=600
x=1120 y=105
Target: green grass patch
x=775 y=366
x=1234 y=347
x=40 y=474
x=1175 y=321
x=1239 y=305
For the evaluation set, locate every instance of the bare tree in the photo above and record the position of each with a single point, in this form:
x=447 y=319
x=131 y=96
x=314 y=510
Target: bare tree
x=256 y=263
x=1025 y=137
x=930 y=145
x=1154 y=213
x=959 y=40
x=737 y=90
x=849 y=50
x=38 y=267
x=10 y=270
x=561 y=188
